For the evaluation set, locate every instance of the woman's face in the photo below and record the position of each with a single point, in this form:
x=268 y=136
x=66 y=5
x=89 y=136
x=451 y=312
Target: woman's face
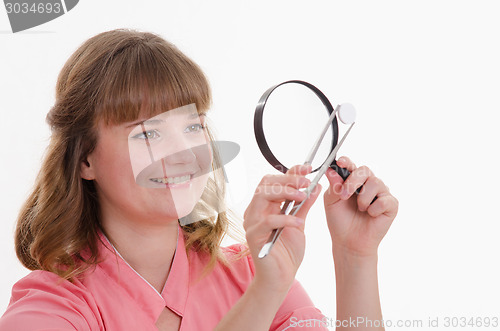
x=152 y=169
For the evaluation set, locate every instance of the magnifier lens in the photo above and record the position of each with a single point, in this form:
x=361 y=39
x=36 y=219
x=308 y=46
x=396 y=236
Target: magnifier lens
x=292 y=120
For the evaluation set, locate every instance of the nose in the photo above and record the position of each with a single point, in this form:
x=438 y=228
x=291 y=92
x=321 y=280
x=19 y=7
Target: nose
x=185 y=156
x=177 y=150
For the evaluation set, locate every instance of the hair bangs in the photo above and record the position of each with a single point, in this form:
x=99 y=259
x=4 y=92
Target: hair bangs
x=145 y=80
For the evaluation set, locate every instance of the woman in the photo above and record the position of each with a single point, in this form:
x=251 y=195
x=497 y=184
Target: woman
x=130 y=155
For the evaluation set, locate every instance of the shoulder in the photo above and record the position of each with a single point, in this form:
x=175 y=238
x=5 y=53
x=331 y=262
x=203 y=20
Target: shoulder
x=234 y=250
x=43 y=300
x=298 y=312
x=239 y=258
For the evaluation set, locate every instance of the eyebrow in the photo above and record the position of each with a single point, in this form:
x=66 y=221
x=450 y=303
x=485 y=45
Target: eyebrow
x=195 y=115
x=158 y=121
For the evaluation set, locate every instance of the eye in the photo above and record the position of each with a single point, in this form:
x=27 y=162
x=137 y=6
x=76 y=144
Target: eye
x=194 y=128
x=150 y=134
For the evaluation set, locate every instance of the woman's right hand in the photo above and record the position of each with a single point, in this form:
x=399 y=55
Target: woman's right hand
x=276 y=272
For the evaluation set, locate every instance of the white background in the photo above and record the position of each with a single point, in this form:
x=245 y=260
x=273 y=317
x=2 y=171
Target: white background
x=424 y=77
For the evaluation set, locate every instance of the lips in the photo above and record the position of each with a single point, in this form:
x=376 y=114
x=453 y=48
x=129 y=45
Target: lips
x=172 y=179
x=154 y=175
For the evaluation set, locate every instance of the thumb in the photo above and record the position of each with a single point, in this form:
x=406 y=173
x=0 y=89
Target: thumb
x=332 y=194
x=302 y=213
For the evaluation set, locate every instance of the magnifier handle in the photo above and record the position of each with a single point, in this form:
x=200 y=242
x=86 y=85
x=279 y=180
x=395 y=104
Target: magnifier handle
x=344 y=173
x=288 y=208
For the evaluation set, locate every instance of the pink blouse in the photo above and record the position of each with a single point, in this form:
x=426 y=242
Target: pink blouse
x=114 y=296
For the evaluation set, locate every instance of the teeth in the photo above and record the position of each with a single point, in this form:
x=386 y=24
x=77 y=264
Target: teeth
x=172 y=180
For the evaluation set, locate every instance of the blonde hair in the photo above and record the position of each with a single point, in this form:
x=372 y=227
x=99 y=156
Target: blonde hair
x=113 y=77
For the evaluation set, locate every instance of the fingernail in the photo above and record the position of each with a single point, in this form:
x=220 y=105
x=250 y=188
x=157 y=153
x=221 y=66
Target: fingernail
x=305 y=168
x=330 y=172
x=299 y=221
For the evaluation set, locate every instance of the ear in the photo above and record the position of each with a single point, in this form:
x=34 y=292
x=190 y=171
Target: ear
x=86 y=169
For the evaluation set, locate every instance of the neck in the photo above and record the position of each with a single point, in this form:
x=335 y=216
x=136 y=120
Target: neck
x=148 y=249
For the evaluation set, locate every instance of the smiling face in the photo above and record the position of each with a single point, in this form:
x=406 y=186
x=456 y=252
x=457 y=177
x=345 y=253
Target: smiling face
x=163 y=149
x=152 y=169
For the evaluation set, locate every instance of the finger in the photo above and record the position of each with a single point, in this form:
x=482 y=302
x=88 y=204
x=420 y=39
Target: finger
x=333 y=192
x=372 y=187
x=301 y=169
x=385 y=204
x=274 y=189
x=296 y=181
x=345 y=162
x=260 y=231
x=355 y=180
x=277 y=193
x=280 y=188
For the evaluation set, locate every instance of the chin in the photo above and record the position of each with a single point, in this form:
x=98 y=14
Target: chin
x=178 y=203
x=183 y=211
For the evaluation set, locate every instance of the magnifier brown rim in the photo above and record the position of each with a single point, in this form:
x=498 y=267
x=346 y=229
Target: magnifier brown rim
x=259 y=130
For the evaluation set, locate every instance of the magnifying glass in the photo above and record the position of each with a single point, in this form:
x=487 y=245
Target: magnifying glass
x=298 y=117
x=295 y=112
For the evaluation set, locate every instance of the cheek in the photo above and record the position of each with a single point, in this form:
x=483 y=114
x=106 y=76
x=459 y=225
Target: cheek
x=204 y=157
x=140 y=158
x=113 y=166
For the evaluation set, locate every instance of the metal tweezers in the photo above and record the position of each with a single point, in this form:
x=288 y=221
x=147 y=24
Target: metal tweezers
x=289 y=207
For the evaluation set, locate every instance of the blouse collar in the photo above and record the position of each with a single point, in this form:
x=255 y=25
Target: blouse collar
x=174 y=293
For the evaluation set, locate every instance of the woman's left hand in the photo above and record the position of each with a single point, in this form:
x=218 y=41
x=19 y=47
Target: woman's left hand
x=356 y=225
